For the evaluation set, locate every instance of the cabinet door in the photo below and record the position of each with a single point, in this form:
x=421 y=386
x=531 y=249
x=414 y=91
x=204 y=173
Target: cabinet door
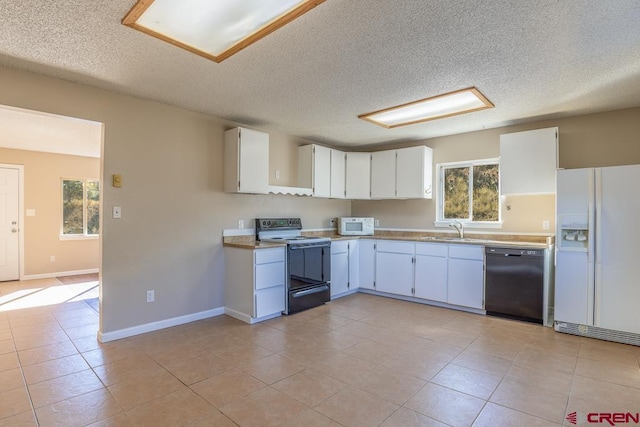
x=431 y=278
x=354 y=264
x=321 y=171
x=269 y=301
x=394 y=273
x=383 y=174
x=528 y=161
x=367 y=265
x=339 y=273
x=358 y=176
x=338 y=173
x=414 y=173
x=466 y=282
x=254 y=161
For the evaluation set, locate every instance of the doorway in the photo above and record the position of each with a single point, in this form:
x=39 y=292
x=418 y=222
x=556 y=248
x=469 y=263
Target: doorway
x=10 y=222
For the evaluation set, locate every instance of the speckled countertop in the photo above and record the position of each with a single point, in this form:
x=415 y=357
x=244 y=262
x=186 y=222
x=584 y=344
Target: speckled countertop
x=494 y=240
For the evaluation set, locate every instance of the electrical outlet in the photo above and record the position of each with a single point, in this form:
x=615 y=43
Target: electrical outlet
x=151 y=296
x=376 y=222
x=332 y=222
x=117 y=212
x=240 y=224
x=277 y=174
x=545 y=225
x=53 y=258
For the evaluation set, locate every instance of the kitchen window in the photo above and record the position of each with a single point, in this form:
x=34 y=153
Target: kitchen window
x=469 y=192
x=80 y=208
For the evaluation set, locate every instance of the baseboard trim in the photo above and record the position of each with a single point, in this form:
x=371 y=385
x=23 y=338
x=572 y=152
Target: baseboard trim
x=160 y=324
x=248 y=319
x=423 y=301
x=344 y=294
x=59 y=274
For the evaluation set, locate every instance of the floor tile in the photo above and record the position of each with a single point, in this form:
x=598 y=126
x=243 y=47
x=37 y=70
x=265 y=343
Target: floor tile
x=483 y=362
x=495 y=415
x=13 y=402
x=544 y=360
x=227 y=387
x=424 y=365
x=80 y=410
x=39 y=340
x=196 y=369
x=47 y=352
x=623 y=374
x=591 y=395
x=7 y=346
x=63 y=388
x=120 y=420
x=9 y=361
x=139 y=366
x=541 y=378
x=139 y=390
x=353 y=407
x=469 y=381
x=172 y=409
x=272 y=368
x=446 y=405
x=310 y=418
x=309 y=387
x=11 y=378
x=24 y=419
x=36 y=329
x=344 y=367
x=213 y=419
x=54 y=368
x=372 y=351
x=392 y=386
x=263 y=408
x=404 y=417
x=546 y=404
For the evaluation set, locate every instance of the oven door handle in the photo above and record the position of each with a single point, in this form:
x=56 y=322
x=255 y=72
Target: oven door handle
x=310 y=291
x=297 y=248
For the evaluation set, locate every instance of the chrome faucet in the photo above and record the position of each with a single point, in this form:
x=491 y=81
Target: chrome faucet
x=459 y=228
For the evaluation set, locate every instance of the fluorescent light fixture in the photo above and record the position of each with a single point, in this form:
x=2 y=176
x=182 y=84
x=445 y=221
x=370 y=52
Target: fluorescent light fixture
x=214 y=29
x=436 y=107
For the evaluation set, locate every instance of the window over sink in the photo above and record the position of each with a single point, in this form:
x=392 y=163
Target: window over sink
x=469 y=192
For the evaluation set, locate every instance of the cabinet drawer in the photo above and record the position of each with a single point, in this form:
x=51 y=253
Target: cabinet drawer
x=466 y=252
x=269 y=301
x=340 y=246
x=395 y=247
x=432 y=249
x=268 y=275
x=263 y=256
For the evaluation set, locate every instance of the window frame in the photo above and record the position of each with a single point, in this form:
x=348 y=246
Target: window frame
x=441 y=221
x=85 y=235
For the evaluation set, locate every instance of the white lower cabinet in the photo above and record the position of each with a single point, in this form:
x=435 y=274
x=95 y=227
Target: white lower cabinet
x=394 y=267
x=254 y=283
x=431 y=275
x=367 y=267
x=344 y=267
x=466 y=276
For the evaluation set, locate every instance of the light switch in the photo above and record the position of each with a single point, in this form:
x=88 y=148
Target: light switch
x=117 y=212
x=117 y=180
x=31 y=212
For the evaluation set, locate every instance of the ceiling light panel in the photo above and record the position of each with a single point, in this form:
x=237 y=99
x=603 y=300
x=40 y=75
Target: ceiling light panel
x=214 y=29
x=437 y=107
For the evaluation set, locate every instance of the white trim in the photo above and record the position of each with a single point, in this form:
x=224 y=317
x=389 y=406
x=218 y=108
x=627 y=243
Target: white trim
x=20 y=215
x=160 y=324
x=344 y=294
x=424 y=301
x=59 y=274
x=79 y=237
x=470 y=224
x=248 y=319
x=434 y=230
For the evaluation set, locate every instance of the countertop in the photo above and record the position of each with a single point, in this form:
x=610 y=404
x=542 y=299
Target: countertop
x=492 y=240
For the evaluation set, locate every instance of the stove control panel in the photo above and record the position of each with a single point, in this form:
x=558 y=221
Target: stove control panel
x=278 y=224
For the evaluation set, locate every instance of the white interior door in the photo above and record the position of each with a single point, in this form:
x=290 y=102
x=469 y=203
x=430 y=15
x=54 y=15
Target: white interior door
x=9 y=224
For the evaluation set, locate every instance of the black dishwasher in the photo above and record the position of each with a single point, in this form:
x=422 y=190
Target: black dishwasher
x=514 y=283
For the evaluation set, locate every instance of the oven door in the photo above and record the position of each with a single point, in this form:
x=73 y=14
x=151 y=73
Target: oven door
x=309 y=270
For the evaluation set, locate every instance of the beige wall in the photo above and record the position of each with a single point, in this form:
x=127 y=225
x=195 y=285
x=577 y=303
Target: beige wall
x=603 y=139
x=42 y=192
x=173 y=209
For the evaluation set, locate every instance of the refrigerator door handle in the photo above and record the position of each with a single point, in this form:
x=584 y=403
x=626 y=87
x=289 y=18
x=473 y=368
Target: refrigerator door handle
x=597 y=297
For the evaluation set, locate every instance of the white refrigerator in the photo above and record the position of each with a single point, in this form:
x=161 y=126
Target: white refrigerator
x=597 y=274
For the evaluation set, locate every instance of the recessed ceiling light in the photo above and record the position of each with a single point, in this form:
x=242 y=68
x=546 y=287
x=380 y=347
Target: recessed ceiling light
x=436 y=107
x=214 y=29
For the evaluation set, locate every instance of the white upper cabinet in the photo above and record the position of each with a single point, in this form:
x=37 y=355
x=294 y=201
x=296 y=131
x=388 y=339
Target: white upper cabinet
x=338 y=173
x=405 y=173
x=246 y=161
x=414 y=173
x=323 y=170
x=528 y=161
x=358 y=175
x=383 y=174
x=314 y=169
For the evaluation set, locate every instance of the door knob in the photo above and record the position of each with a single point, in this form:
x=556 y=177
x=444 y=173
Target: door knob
x=14 y=230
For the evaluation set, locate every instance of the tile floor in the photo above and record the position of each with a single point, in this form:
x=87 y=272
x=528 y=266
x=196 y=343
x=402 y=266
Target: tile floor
x=358 y=361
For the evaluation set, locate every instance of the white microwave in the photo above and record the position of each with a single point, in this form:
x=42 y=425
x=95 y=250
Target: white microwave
x=350 y=226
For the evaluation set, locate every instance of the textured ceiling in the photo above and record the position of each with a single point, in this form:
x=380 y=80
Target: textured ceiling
x=312 y=78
